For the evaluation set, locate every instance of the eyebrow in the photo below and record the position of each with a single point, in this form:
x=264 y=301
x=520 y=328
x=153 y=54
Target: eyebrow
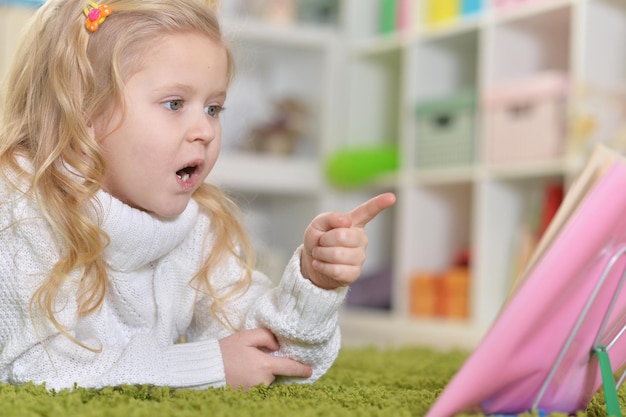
x=186 y=87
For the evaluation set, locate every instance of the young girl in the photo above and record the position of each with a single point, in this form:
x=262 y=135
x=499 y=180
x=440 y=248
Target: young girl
x=118 y=263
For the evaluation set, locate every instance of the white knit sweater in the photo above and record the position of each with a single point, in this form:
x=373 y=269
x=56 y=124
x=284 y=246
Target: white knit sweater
x=149 y=305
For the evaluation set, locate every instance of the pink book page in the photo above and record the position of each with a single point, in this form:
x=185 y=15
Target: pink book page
x=507 y=371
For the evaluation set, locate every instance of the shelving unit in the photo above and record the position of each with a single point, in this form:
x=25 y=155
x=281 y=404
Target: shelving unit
x=481 y=205
x=362 y=87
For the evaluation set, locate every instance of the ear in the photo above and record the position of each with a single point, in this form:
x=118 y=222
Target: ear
x=91 y=130
x=101 y=125
x=96 y=127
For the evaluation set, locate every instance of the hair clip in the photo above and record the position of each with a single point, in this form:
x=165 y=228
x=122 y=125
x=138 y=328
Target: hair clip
x=96 y=14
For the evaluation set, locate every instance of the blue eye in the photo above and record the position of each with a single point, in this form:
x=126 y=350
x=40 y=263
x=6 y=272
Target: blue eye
x=213 y=111
x=174 y=105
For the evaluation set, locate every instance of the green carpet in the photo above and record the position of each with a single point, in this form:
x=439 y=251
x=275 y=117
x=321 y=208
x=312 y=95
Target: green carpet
x=363 y=382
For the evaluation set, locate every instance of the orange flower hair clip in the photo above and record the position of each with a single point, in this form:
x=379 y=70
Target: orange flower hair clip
x=96 y=14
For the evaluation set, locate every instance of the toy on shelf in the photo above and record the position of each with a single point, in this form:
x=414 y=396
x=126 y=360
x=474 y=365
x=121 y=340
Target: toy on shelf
x=360 y=166
x=281 y=133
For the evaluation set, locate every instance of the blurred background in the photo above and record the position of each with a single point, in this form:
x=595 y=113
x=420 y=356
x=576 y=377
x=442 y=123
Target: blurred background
x=478 y=114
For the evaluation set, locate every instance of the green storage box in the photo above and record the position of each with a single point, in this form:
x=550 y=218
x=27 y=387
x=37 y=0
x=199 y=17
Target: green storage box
x=446 y=131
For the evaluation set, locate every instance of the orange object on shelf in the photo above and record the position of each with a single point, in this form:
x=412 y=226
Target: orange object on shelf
x=440 y=295
x=424 y=295
x=455 y=289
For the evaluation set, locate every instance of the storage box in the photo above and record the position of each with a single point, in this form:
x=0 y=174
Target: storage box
x=455 y=283
x=443 y=294
x=446 y=131
x=425 y=299
x=526 y=119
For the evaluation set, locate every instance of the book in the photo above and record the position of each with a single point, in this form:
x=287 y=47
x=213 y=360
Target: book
x=538 y=353
x=552 y=201
x=404 y=12
x=388 y=16
x=542 y=207
x=601 y=160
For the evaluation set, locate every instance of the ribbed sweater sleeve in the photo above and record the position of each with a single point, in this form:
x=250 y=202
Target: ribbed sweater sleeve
x=303 y=317
x=59 y=363
x=192 y=364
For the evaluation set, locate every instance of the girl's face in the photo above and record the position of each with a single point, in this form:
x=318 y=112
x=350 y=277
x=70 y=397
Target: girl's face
x=169 y=140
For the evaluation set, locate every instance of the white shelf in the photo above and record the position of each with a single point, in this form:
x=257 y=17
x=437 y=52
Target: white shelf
x=377 y=45
x=567 y=165
x=440 y=176
x=455 y=28
x=361 y=327
x=285 y=35
x=267 y=174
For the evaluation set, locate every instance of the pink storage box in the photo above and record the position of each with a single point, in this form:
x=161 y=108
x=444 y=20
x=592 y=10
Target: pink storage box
x=506 y=3
x=526 y=119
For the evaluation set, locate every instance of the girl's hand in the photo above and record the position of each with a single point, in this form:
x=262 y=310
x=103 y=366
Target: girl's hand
x=335 y=243
x=247 y=365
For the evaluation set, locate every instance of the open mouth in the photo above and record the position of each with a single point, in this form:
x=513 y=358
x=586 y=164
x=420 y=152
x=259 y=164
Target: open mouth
x=186 y=173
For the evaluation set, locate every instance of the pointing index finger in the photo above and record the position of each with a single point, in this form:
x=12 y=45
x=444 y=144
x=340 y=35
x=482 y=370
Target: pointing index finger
x=364 y=213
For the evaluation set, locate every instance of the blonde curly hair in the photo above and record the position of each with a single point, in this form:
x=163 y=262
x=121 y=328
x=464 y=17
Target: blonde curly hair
x=62 y=77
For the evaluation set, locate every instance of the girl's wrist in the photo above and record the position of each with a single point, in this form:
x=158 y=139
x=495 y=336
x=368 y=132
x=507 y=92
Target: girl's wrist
x=307 y=271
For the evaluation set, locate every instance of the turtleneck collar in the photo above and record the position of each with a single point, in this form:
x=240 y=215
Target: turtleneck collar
x=136 y=237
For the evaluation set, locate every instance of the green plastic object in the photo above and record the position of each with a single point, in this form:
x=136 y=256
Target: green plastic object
x=610 y=390
x=360 y=166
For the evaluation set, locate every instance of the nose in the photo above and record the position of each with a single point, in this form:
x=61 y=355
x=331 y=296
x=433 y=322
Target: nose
x=203 y=128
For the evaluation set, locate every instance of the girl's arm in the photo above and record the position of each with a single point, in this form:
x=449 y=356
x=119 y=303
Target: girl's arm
x=301 y=316
x=59 y=363
x=302 y=312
